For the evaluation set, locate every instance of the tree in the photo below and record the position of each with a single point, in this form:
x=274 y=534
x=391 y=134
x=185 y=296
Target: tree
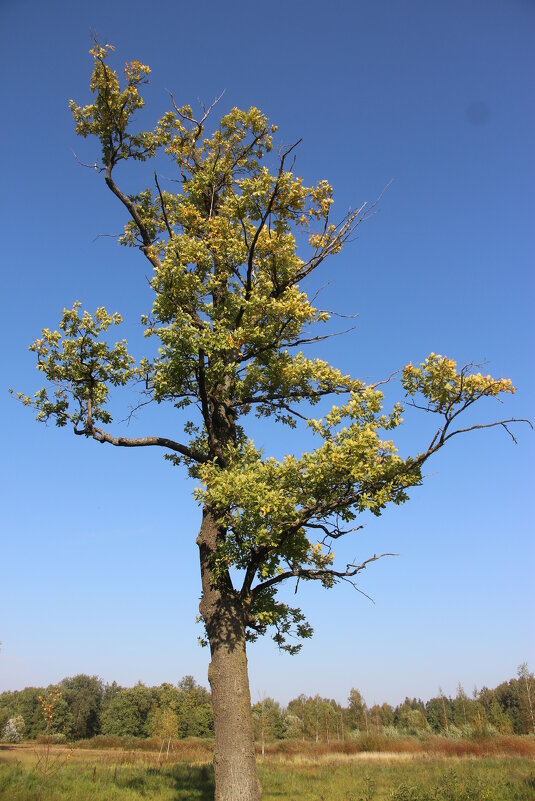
x=296 y=711
x=229 y=252
x=26 y=704
x=126 y=711
x=461 y=707
x=526 y=679
x=4 y=717
x=357 y=714
x=387 y=715
x=446 y=710
x=164 y=724
x=83 y=695
x=269 y=722
x=410 y=716
x=195 y=718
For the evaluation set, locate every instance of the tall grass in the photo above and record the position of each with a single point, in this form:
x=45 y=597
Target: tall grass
x=130 y=776
x=435 y=746
x=201 y=749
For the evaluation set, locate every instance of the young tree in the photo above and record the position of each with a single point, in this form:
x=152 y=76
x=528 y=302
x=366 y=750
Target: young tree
x=526 y=678
x=229 y=252
x=194 y=709
x=356 y=717
x=461 y=707
x=269 y=721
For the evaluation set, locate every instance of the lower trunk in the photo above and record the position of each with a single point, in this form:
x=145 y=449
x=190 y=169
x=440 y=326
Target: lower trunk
x=234 y=748
x=234 y=751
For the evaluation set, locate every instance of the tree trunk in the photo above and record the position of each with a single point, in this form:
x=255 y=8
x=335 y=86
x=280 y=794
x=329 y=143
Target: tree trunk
x=234 y=748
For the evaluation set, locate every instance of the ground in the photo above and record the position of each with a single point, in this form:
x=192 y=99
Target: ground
x=116 y=775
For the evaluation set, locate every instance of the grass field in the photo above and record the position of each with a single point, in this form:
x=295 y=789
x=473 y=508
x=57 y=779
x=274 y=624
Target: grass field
x=111 y=775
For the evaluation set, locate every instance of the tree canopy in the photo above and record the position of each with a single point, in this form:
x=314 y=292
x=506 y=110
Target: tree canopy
x=228 y=252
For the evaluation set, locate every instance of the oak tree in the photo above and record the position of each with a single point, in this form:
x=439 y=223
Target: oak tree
x=230 y=250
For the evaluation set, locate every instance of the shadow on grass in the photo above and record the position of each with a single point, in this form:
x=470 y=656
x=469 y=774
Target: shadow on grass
x=193 y=783
x=189 y=783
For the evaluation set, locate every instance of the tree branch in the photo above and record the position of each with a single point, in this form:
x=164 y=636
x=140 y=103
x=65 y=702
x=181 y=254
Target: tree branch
x=318 y=575
x=269 y=397
x=169 y=229
x=502 y=423
x=141 y=442
x=125 y=200
x=249 y=278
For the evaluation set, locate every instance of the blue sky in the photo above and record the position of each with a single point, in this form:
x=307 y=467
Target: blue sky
x=99 y=565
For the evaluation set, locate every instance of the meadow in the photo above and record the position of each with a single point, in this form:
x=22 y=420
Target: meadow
x=503 y=771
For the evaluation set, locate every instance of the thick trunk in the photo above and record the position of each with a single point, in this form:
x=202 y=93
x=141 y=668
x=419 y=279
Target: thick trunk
x=234 y=751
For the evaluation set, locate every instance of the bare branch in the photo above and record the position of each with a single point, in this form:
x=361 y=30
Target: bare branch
x=343 y=231
x=319 y=338
x=273 y=397
x=112 y=236
x=333 y=313
x=384 y=380
x=334 y=533
x=441 y=437
x=198 y=123
x=285 y=406
x=133 y=409
x=140 y=442
x=318 y=574
x=94 y=166
x=125 y=200
x=169 y=230
x=502 y=423
x=269 y=207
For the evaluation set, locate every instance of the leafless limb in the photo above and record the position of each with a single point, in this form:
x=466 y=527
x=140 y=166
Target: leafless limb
x=111 y=236
x=310 y=574
x=130 y=206
x=140 y=442
x=502 y=423
x=292 y=411
x=260 y=228
x=333 y=533
x=134 y=409
x=274 y=397
x=198 y=123
x=333 y=313
x=384 y=380
x=98 y=434
x=169 y=229
x=94 y=166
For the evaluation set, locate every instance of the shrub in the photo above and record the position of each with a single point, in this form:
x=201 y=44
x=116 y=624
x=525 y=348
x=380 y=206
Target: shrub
x=53 y=739
x=13 y=730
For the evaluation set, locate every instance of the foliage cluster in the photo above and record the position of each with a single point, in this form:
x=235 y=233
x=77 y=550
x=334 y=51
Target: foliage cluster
x=85 y=708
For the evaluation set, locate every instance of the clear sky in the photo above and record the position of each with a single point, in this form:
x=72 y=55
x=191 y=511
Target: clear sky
x=98 y=562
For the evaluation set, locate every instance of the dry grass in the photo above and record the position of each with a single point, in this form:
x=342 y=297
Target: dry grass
x=431 y=746
x=291 y=774
x=197 y=751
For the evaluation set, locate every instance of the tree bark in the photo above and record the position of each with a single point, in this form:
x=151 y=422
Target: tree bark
x=235 y=771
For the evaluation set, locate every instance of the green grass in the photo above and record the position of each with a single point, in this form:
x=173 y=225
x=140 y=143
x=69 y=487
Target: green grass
x=349 y=779
x=411 y=780
x=105 y=783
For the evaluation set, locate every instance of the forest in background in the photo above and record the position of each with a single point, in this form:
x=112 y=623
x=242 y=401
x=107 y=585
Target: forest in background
x=84 y=707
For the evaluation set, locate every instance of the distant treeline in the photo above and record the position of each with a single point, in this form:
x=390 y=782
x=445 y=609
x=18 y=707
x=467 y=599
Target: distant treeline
x=85 y=707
